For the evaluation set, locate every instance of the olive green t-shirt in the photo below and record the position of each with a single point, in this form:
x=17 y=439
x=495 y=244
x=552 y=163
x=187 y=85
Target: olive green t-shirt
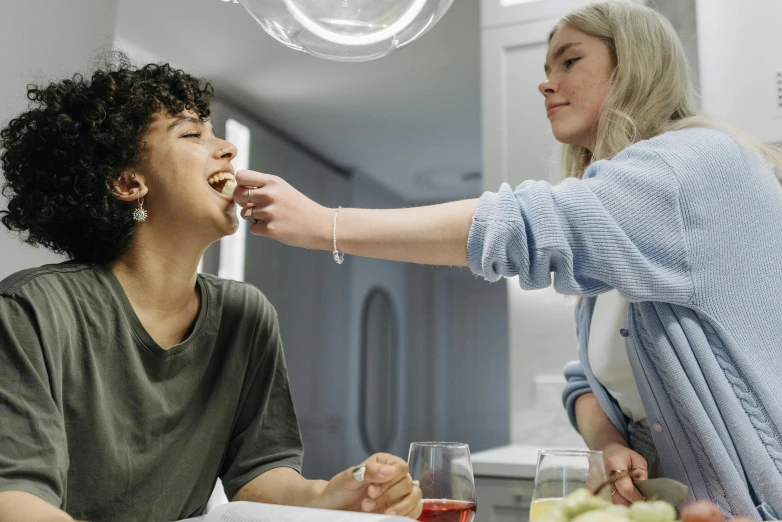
x=97 y=419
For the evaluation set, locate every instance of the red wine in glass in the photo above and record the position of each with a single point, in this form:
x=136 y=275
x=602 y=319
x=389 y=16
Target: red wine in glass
x=443 y=471
x=447 y=511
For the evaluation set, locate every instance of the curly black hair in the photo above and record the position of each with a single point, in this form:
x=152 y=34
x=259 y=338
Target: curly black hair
x=61 y=158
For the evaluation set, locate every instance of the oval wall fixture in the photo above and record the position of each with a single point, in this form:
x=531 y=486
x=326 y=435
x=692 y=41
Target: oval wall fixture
x=379 y=380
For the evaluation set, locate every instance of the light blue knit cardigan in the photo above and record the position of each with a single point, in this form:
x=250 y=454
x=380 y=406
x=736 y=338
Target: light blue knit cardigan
x=688 y=228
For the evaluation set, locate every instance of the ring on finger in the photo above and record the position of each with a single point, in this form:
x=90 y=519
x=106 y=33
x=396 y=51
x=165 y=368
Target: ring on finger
x=618 y=471
x=358 y=472
x=249 y=196
x=248 y=214
x=614 y=492
x=638 y=467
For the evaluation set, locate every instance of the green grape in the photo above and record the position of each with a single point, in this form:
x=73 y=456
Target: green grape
x=618 y=510
x=600 y=515
x=581 y=501
x=656 y=511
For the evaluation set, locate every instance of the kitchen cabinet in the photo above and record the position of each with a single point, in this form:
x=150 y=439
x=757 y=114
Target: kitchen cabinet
x=503 y=499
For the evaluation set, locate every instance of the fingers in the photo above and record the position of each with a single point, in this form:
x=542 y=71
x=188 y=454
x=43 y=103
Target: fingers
x=638 y=467
x=388 y=480
x=386 y=469
x=250 y=178
x=620 y=465
x=624 y=486
x=377 y=472
x=410 y=506
x=248 y=197
x=390 y=493
x=253 y=214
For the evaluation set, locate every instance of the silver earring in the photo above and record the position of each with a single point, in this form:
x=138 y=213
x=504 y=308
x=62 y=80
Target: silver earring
x=140 y=214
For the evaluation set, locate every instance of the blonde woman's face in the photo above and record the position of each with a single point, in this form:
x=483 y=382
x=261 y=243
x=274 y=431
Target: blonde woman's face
x=578 y=72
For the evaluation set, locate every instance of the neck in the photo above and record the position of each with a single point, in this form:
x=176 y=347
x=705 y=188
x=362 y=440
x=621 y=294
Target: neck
x=159 y=276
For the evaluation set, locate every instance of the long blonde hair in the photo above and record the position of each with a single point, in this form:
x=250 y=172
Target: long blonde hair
x=650 y=88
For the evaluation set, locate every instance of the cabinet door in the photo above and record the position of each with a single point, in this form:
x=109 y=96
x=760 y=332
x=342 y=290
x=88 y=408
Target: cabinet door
x=503 y=500
x=517 y=139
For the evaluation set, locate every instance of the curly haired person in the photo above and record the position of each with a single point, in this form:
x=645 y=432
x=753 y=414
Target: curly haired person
x=128 y=382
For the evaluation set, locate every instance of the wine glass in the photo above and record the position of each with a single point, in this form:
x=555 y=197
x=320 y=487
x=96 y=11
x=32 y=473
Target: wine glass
x=561 y=472
x=444 y=473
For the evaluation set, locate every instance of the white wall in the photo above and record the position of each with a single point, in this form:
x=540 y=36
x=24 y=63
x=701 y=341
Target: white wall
x=42 y=40
x=472 y=382
x=741 y=64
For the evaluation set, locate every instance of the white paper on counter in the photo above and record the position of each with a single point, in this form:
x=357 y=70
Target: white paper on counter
x=257 y=512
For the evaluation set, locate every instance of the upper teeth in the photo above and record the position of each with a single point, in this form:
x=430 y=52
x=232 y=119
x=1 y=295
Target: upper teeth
x=216 y=178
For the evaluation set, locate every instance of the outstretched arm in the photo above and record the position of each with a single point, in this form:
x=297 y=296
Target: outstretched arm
x=621 y=226
x=435 y=234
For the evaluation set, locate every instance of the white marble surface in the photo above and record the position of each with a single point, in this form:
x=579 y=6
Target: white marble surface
x=514 y=461
x=545 y=427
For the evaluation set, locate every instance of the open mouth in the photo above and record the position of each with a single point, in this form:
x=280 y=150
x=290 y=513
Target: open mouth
x=224 y=183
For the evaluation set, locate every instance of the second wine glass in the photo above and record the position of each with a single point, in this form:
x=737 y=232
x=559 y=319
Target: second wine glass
x=561 y=472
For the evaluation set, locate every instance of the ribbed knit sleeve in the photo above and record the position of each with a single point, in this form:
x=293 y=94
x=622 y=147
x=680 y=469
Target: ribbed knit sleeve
x=619 y=227
x=577 y=385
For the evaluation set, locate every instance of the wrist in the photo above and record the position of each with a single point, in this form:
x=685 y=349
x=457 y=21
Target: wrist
x=325 y=236
x=317 y=494
x=606 y=444
x=336 y=229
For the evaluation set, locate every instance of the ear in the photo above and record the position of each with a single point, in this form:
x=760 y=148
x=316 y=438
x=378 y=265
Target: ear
x=129 y=186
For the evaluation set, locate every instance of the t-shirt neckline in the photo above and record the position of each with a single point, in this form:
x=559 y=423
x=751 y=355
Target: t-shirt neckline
x=138 y=329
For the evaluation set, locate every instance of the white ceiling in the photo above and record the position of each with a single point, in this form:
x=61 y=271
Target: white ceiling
x=411 y=120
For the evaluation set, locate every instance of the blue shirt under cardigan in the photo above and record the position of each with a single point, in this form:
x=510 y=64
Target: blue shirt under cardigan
x=687 y=227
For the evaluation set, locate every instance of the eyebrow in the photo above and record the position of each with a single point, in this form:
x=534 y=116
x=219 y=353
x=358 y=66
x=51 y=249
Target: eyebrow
x=180 y=120
x=184 y=119
x=559 y=53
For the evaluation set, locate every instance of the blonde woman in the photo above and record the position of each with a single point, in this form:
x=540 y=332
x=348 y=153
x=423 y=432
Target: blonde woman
x=678 y=214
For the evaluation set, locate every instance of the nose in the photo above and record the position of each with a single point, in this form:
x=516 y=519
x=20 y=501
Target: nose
x=548 y=87
x=226 y=149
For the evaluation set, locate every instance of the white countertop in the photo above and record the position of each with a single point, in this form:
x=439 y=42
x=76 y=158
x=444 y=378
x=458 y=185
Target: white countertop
x=514 y=461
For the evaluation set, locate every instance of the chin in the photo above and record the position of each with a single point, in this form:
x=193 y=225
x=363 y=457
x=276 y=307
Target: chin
x=567 y=134
x=233 y=228
x=230 y=224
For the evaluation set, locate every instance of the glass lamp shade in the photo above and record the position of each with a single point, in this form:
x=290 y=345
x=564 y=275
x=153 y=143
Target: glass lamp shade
x=346 y=30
